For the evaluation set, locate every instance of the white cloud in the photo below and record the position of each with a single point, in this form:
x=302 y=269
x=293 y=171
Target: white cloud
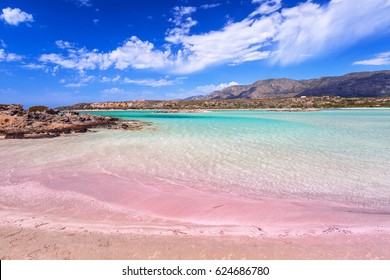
x=379 y=59
x=283 y=36
x=200 y=90
x=266 y=7
x=209 y=6
x=183 y=23
x=13 y=57
x=64 y=44
x=112 y=91
x=180 y=12
x=9 y=57
x=3 y=44
x=79 y=59
x=33 y=66
x=235 y=43
x=83 y=3
x=286 y=36
x=133 y=53
x=116 y=79
x=138 y=55
x=82 y=82
x=310 y=30
x=15 y=16
x=153 y=82
x=211 y=88
x=110 y=80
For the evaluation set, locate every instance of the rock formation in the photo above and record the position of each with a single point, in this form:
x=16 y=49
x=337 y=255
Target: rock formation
x=43 y=122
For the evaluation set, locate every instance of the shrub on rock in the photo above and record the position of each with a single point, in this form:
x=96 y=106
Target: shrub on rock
x=38 y=109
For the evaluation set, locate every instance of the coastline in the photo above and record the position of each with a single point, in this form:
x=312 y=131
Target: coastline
x=70 y=206
x=293 y=103
x=213 y=226
x=244 y=109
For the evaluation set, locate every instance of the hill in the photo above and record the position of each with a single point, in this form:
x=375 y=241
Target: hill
x=361 y=84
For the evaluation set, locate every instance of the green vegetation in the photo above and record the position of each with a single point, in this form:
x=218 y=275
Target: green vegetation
x=296 y=103
x=38 y=108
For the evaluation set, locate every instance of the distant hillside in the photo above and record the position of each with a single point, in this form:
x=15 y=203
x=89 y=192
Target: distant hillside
x=294 y=103
x=362 y=84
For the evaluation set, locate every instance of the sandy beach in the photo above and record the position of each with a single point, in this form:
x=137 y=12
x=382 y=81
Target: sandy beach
x=195 y=130
x=224 y=185
x=284 y=230
x=35 y=238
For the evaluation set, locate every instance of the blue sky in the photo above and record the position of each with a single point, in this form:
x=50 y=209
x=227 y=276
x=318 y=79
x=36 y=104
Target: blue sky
x=62 y=52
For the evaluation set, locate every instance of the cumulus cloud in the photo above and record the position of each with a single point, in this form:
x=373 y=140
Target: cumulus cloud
x=379 y=59
x=266 y=7
x=138 y=55
x=15 y=16
x=79 y=59
x=34 y=66
x=280 y=35
x=64 y=44
x=9 y=57
x=182 y=23
x=234 y=44
x=110 y=80
x=211 y=88
x=309 y=29
x=82 y=82
x=83 y=3
x=112 y=90
x=153 y=82
x=209 y=6
x=285 y=36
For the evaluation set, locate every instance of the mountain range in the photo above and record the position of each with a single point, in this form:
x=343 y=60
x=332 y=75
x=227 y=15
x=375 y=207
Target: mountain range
x=360 y=84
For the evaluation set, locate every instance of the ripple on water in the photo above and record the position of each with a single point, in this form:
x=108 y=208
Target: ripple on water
x=342 y=156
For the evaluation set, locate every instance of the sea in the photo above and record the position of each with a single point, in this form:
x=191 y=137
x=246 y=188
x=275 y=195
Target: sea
x=336 y=156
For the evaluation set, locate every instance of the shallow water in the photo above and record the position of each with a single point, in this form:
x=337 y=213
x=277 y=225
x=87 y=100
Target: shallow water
x=340 y=156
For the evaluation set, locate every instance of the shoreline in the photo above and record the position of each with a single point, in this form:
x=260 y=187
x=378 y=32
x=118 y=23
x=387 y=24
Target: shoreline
x=65 y=202
x=244 y=109
x=245 y=229
x=157 y=206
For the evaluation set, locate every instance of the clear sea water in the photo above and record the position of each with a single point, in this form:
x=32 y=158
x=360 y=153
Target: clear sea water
x=336 y=155
x=341 y=156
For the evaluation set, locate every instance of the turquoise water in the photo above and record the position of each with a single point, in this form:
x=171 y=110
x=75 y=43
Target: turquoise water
x=340 y=156
x=336 y=155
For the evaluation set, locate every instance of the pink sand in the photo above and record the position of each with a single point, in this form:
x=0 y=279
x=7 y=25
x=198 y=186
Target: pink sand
x=157 y=206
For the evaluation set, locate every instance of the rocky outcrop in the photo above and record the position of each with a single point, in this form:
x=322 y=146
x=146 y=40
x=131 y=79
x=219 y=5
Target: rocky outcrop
x=362 y=84
x=17 y=123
